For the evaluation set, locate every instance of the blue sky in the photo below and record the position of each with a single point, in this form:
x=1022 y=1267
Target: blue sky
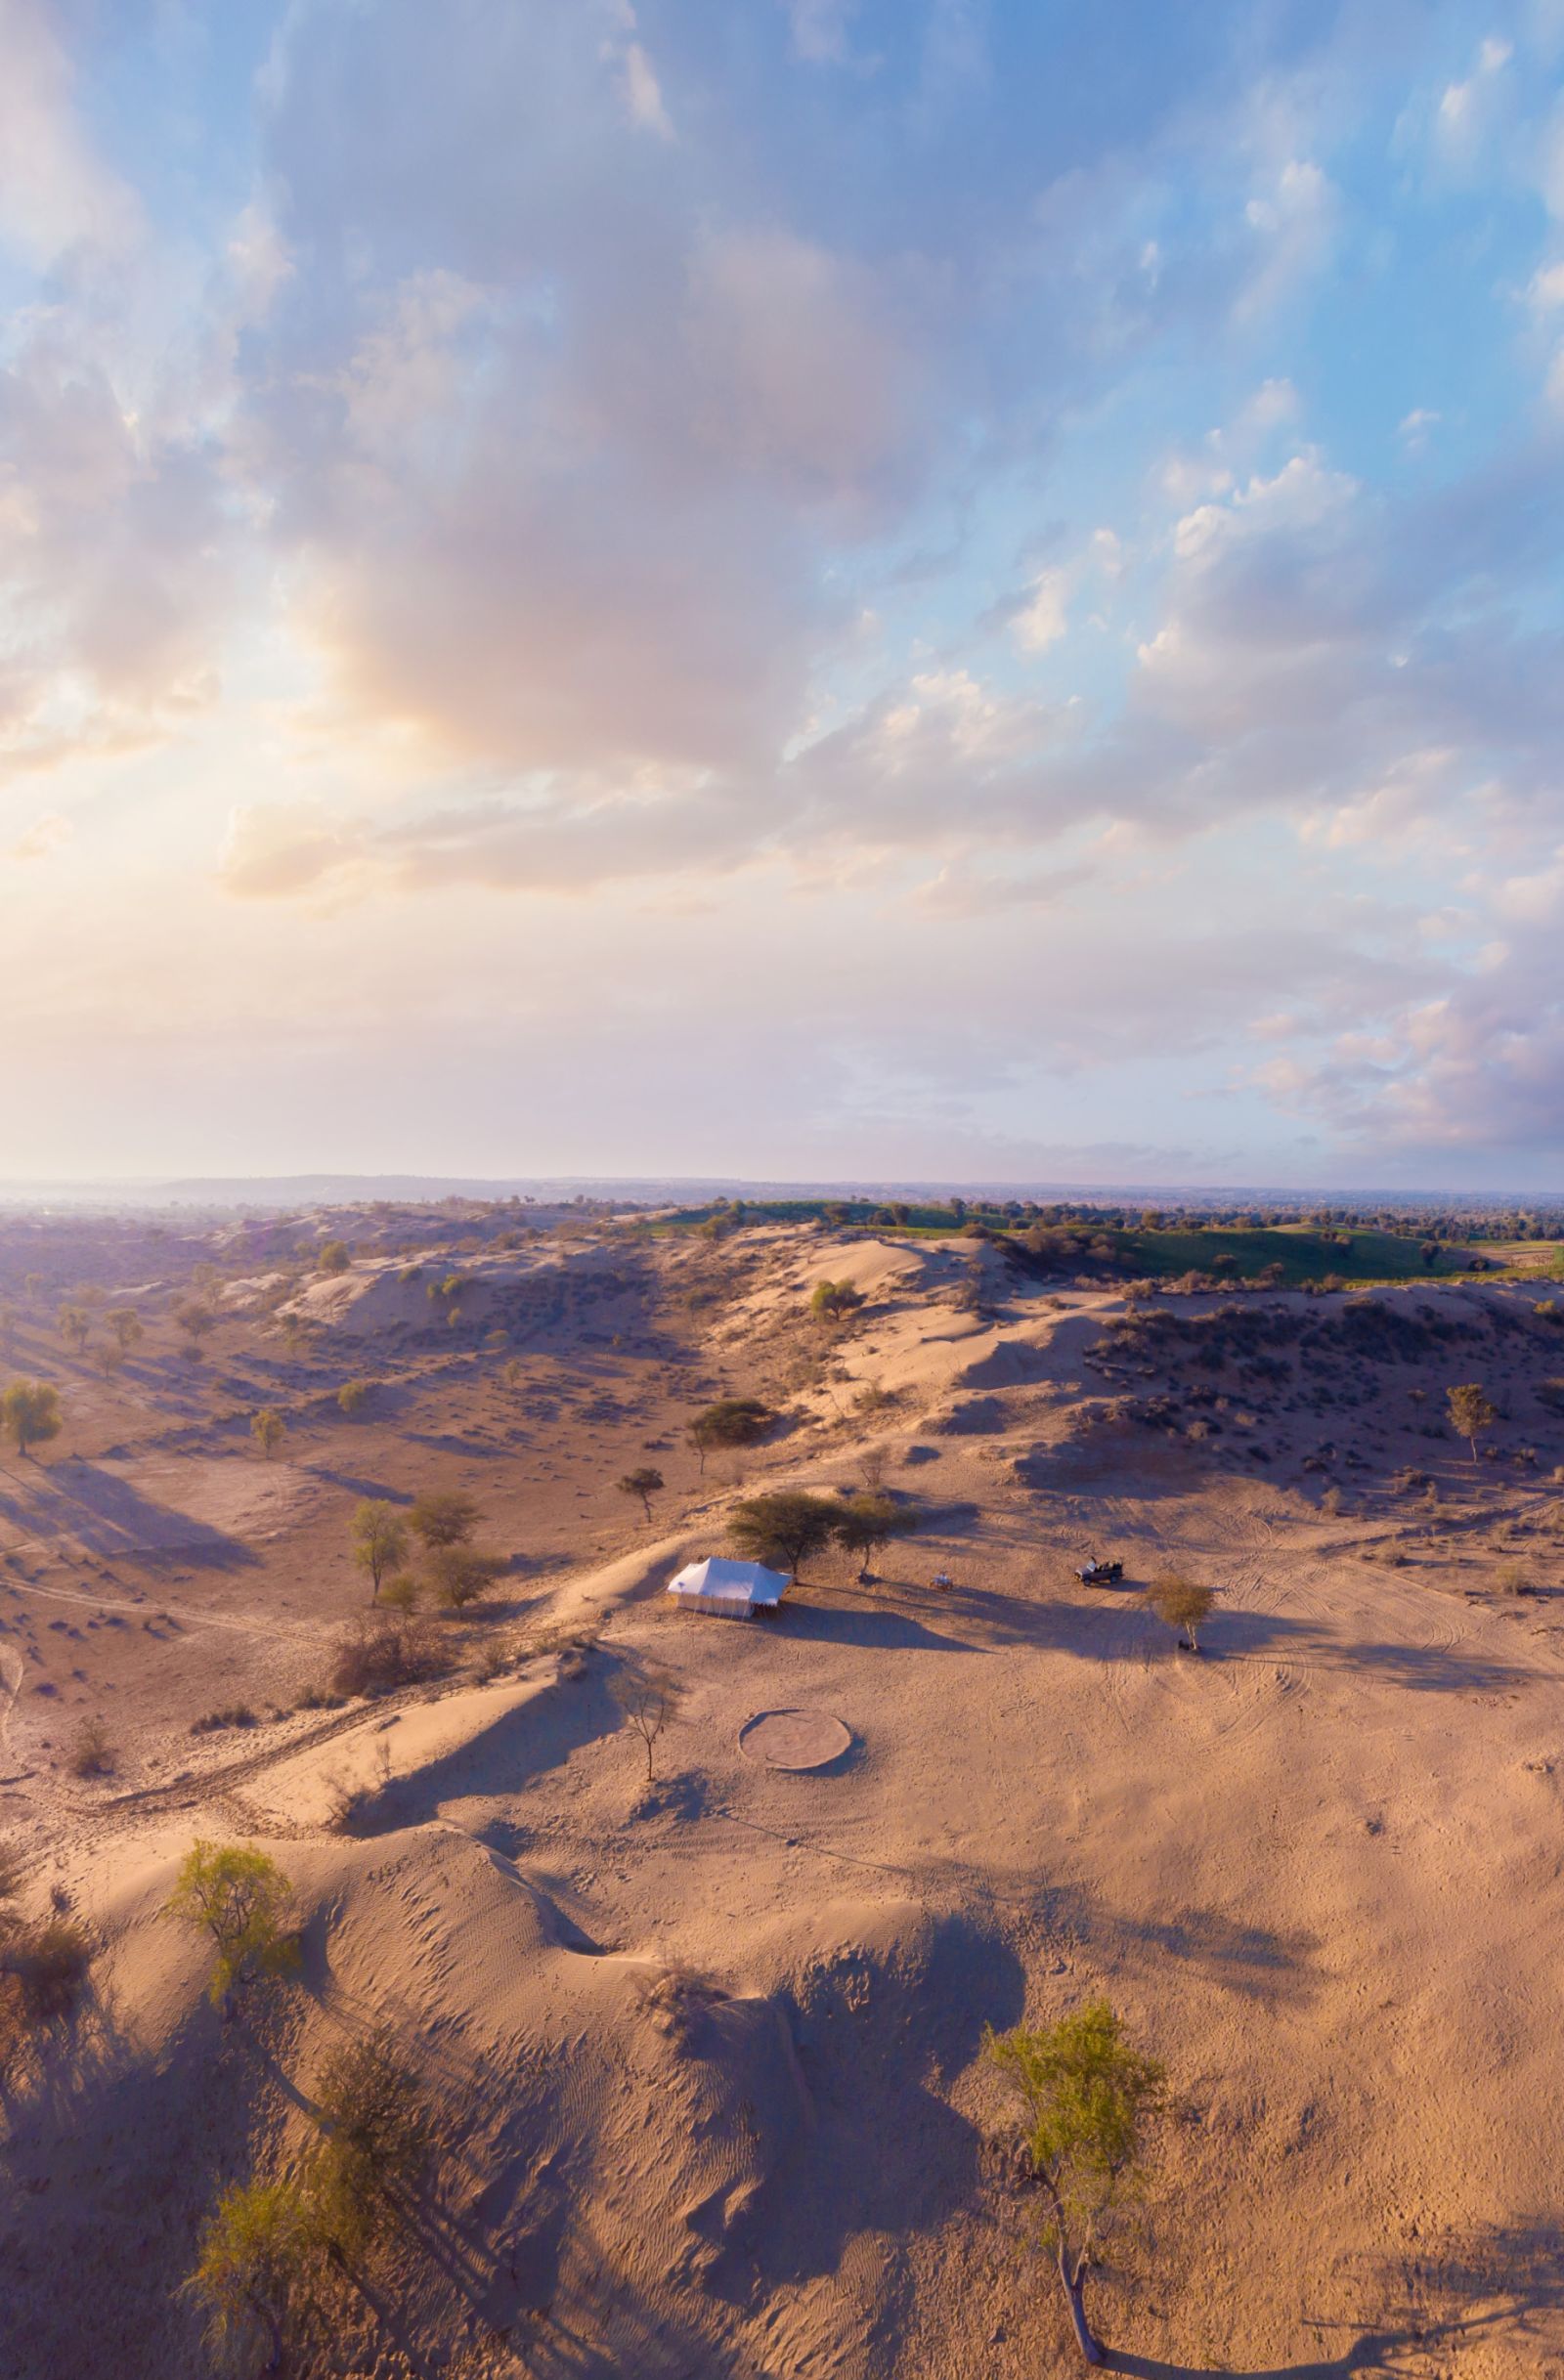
x=782 y=588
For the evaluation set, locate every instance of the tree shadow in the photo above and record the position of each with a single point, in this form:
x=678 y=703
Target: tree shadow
x=1249 y=1958
x=884 y=1631
x=112 y=1518
x=1500 y=2281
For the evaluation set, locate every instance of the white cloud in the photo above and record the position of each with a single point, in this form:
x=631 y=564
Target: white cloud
x=56 y=193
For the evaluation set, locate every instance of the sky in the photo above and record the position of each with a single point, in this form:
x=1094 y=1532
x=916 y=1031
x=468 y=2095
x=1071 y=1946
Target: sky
x=938 y=589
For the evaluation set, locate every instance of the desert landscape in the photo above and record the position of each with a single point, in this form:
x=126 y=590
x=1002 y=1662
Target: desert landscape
x=698 y=2036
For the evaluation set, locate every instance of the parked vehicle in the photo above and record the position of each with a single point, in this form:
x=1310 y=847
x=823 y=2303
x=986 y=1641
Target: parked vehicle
x=1100 y=1574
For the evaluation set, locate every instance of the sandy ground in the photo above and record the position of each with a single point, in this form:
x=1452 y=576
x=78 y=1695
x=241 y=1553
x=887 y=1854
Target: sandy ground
x=1314 y=1868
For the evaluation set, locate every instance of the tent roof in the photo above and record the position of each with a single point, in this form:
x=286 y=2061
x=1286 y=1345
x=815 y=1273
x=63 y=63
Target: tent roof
x=733 y=1581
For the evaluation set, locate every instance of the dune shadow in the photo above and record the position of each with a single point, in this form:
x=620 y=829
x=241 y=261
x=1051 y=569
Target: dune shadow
x=522 y=1744
x=934 y=2010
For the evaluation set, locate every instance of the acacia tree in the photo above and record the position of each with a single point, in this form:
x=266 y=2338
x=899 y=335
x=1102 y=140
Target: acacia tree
x=195 y=1321
x=238 y=1896
x=1088 y=2098
x=732 y=1421
x=31 y=1410
x=784 y=1528
x=442 y=1517
x=865 y=1523
x=126 y=1324
x=254 y=2260
x=268 y=1429
x=650 y=1699
x=1470 y=1412
x=1180 y=1604
x=380 y=1540
x=75 y=1327
x=645 y=1482
x=834 y=1301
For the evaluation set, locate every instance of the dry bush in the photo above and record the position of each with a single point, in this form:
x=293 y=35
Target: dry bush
x=569 y=1640
x=1514 y=1580
x=92 y=1752
x=375 y=1660
x=233 y=1714
x=351 y=1799
x=676 y=1997
x=1331 y=1501
x=42 y=1970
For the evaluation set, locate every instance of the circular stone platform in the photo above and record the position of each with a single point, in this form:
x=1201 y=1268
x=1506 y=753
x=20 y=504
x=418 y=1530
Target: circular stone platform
x=794 y=1739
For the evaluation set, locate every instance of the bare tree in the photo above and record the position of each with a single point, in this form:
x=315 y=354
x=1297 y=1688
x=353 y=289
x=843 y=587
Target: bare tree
x=650 y=1699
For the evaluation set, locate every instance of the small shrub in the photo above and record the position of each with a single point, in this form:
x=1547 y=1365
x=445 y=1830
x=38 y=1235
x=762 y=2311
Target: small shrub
x=319 y=1698
x=834 y=1301
x=1513 y=1579
x=92 y=1752
x=401 y=1593
x=676 y=1997
x=1331 y=1501
x=353 y=1396
x=268 y=1429
x=334 y=1257
x=233 y=1714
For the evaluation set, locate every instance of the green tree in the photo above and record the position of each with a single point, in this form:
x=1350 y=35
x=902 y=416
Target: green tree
x=239 y=1898
x=1471 y=1412
x=732 y=1421
x=442 y=1517
x=1180 y=1604
x=75 y=1327
x=865 y=1523
x=126 y=1324
x=834 y=1301
x=253 y=2266
x=1087 y=2097
x=380 y=1540
x=784 y=1528
x=459 y=1574
x=268 y=1429
x=645 y=1482
x=334 y=1257
x=33 y=1416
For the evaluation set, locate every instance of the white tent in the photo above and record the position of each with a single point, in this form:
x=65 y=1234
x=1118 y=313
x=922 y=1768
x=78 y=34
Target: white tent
x=732 y=1590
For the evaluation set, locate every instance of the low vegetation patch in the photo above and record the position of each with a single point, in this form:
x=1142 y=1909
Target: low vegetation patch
x=373 y=1659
